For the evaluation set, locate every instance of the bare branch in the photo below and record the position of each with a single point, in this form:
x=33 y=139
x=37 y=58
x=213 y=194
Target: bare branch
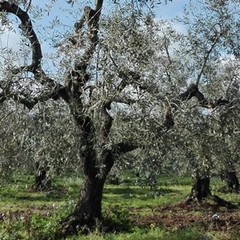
x=35 y=67
x=26 y=26
x=191 y=92
x=169 y=60
x=206 y=57
x=24 y=98
x=29 y=5
x=78 y=77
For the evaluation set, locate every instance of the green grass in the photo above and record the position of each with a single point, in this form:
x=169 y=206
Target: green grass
x=147 y=234
x=30 y=215
x=138 y=197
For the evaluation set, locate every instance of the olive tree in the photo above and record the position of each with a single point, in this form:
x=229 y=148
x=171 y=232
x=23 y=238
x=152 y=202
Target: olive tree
x=121 y=65
x=212 y=42
x=95 y=85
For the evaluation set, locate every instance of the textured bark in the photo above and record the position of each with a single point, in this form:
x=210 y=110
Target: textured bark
x=200 y=188
x=88 y=210
x=42 y=181
x=231 y=179
x=96 y=165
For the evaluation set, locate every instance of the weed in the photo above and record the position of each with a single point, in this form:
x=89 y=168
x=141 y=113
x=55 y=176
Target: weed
x=29 y=215
x=116 y=218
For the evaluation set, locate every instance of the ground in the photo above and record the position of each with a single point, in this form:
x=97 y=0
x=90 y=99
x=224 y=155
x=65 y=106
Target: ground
x=179 y=216
x=151 y=214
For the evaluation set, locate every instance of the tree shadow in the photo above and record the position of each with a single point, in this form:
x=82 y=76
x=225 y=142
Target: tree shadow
x=140 y=193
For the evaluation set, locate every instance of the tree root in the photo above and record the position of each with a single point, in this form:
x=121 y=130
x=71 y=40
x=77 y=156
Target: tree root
x=67 y=227
x=74 y=225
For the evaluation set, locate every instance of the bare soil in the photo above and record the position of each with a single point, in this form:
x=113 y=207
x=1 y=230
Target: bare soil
x=205 y=215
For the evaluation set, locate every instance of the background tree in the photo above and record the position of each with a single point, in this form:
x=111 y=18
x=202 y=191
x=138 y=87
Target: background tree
x=132 y=69
x=45 y=134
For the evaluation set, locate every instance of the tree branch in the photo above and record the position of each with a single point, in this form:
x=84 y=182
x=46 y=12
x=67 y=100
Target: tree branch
x=124 y=147
x=35 y=67
x=27 y=28
x=191 y=92
x=78 y=77
x=24 y=99
x=207 y=56
x=106 y=122
x=169 y=60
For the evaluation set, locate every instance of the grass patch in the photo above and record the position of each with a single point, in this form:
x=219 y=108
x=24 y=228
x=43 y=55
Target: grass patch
x=134 y=212
x=148 y=234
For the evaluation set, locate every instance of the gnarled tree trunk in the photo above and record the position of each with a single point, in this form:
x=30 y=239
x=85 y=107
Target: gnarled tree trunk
x=231 y=179
x=42 y=181
x=97 y=162
x=88 y=209
x=200 y=188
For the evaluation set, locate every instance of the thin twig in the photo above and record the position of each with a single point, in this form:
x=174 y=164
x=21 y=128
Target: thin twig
x=207 y=56
x=29 y=5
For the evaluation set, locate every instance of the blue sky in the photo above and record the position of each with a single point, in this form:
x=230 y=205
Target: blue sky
x=11 y=39
x=171 y=9
x=163 y=11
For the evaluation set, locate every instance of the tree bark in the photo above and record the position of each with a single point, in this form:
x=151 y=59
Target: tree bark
x=200 y=188
x=231 y=179
x=42 y=181
x=97 y=163
x=88 y=210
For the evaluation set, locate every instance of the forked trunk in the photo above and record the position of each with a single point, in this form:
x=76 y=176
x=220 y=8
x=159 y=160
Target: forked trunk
x=88 y=210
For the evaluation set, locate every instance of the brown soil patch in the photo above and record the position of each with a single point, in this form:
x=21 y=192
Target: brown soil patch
x=181 y=215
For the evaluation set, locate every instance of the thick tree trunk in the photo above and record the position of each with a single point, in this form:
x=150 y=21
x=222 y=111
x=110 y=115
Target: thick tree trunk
x=42 y=181
x=230 y=177
x=201 y=188
x=96 y=166
x=88 y=210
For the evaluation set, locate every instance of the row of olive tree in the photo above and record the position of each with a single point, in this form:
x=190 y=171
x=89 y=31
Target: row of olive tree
x=28 y=137
x=127 y=67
